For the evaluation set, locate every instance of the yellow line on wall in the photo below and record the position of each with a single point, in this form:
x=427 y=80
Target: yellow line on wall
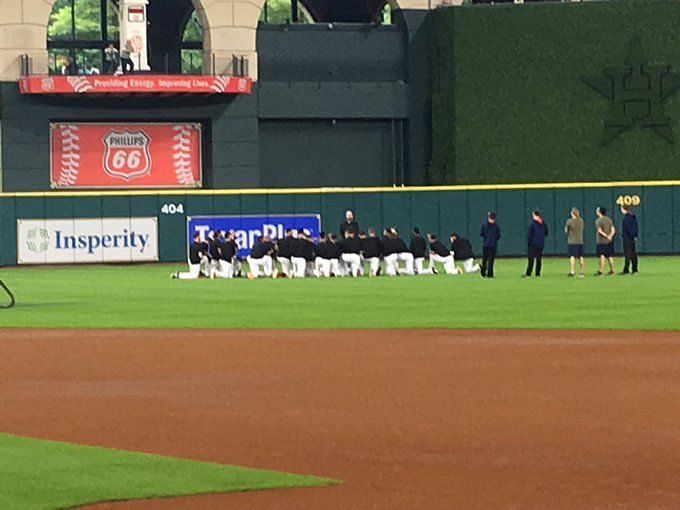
x=311 y=191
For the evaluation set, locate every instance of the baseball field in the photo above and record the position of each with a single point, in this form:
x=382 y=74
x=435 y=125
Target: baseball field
x=121 y=385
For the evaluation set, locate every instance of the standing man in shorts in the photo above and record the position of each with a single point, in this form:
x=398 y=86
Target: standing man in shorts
x=605 y=241
x=574 y=229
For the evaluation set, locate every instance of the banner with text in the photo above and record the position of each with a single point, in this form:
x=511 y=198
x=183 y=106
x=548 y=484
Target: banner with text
x=135 y=84
x=90 y=241
x=249 y=228
x=102 y=155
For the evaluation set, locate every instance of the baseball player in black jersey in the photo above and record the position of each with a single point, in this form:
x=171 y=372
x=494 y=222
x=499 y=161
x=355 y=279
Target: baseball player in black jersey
x=336 y=269
x=462 y=252
x=302 y=254
x=396 y=251
x=199 y=262
x=284 y=251
x=418 y=248
x=227 y=257
x=260 y=259
x=439 y=253
x=351 y=252
x=214 y=250
x=325 y=252
x=372 y=249
x=217 y=266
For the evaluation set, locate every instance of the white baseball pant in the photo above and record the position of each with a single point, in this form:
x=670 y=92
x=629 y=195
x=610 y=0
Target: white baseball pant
x=353 y=262
x=374 y=265
x=285 y=266
x=447 y=262
x=392 y=263
x=419 y=265
x=469 y=266
x=195 y=270
x=225 y=269
x=299 y=267
x=263 y=265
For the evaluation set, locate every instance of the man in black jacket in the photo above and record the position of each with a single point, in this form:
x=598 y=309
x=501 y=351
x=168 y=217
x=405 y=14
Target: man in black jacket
x=462 y=252
x=418 y=248
x=629 y=234
x=349 y=224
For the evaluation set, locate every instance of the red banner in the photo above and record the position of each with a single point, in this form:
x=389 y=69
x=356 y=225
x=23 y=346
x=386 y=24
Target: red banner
x=135 y=83
x=125 y=155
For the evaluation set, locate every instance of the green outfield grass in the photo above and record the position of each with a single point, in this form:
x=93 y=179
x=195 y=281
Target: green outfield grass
x=45 y=475
x=145 y=297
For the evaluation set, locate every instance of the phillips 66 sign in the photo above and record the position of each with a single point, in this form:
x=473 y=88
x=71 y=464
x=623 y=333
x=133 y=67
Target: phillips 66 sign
x=102 y=155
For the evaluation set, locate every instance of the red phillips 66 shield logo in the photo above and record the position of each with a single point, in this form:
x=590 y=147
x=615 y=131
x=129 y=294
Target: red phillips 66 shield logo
x=127 y=154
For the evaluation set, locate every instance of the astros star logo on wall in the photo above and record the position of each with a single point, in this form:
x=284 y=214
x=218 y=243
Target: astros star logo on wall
x=637 y=91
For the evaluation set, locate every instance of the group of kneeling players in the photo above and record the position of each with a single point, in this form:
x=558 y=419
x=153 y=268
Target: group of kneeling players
x=355 y=254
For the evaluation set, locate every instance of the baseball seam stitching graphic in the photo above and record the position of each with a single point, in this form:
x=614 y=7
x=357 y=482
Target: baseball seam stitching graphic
x=79 y=83
x=182 y=156
x=70 y=156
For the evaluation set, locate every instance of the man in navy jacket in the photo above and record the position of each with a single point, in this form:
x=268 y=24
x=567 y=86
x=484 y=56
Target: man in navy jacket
x=538 y=231
x=490 y=233
x=629 y=234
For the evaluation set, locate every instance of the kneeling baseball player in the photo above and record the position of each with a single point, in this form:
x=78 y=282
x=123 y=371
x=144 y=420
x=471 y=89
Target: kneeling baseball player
x=418 y=248
x=371 y=249
x=326 y=263
x=395 y=251
x=439 y=253
x=351 y=253
x=260 y=259
x=284 y=250
x=462 y=252
x=199 y=262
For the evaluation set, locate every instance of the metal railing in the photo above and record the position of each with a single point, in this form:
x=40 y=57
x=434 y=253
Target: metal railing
x=163 y=63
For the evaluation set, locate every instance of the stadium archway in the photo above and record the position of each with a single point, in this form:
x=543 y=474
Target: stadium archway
x=230 y=27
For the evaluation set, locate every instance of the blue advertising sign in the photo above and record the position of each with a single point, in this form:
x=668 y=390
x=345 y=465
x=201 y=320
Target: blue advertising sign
x=249 y=228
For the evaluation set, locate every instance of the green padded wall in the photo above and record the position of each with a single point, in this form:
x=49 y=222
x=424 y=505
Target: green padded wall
x=439 y=210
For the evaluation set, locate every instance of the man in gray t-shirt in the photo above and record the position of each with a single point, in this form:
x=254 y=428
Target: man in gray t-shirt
x=574 y=230
x=605 y=241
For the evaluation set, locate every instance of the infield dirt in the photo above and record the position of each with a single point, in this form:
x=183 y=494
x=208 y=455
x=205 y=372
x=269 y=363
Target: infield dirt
x=409 y=419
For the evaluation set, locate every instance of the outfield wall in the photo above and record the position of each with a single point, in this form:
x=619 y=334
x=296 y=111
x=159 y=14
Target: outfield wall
x=433 y=209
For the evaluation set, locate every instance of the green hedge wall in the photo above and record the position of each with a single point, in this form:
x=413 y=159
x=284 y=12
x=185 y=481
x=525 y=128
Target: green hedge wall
x=508 y=103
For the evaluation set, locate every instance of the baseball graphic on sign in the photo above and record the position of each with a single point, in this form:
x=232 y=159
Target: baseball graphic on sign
x=144 y=155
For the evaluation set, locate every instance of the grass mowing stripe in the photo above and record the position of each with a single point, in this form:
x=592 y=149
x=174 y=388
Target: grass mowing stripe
x=37 y=475
x=144 y=297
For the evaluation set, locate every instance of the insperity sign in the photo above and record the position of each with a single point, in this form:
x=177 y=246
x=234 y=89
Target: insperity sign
x=637 y=92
